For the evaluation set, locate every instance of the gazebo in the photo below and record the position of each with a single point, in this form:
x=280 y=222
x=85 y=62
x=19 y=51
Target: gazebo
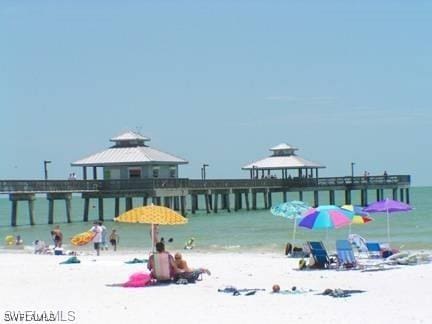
x=285 y=160
x=131 y=158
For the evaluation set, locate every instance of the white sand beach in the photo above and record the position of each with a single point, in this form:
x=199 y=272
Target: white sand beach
x=79 y=292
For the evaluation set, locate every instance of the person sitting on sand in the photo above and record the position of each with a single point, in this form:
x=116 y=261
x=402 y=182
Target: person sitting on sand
x=40 y=247
x=161 y=265
x=185 y=272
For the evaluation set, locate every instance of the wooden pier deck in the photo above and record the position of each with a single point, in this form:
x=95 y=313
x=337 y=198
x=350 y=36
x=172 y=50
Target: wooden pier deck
x=217 y=193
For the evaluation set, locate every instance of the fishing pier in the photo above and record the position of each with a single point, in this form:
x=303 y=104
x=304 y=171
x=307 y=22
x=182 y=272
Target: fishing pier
x=185 y=194
x=132 y=169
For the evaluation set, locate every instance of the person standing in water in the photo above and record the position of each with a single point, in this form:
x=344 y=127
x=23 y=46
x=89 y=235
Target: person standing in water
x=154 y=233
x=57 y=236
x=104 y=244
x=114 y=239
x=97 y=239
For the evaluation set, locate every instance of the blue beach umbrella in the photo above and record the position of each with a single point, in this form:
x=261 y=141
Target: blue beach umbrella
x=291 y=210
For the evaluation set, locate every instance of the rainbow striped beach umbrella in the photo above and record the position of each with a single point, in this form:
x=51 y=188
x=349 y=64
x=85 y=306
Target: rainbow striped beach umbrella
x=360 y=217
x=325 y=217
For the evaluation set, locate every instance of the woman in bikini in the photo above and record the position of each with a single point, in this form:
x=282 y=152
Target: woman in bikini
x=183 y=267
x=57 y=236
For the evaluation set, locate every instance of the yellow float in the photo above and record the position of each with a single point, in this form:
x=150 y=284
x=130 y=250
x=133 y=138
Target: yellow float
x=83 y=238
x=10 y=240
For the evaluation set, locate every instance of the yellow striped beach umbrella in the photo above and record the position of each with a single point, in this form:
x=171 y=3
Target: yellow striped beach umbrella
x=152 y=214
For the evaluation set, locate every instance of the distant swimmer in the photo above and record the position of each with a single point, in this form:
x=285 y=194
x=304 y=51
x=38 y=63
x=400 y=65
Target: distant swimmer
x=190 y=244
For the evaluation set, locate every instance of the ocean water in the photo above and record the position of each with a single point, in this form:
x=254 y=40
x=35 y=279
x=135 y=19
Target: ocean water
x=243 y=230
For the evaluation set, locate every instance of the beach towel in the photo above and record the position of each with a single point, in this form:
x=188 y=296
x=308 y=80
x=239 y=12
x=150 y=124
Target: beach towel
x=237 y=292
x=340 y=293
x=138 y=279
x=135 y=260
x=71 y=260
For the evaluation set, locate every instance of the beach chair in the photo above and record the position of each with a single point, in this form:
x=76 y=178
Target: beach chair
x=345 y=255
x=316 y=245
x=374 y=249
x=358 y=242
x=319 y=254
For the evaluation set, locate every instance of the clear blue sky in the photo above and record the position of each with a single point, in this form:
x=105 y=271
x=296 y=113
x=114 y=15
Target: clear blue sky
x=218 y=82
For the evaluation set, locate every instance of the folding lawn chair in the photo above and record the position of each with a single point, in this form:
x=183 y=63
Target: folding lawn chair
x=319 y=254
x=345 y=255
x=374 y=249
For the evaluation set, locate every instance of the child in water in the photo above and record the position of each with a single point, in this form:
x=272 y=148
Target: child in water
x=114 y=239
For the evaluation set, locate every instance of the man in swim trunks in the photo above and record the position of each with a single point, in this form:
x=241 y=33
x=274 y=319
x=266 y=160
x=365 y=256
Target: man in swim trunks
x=114 y=239
x=161 y=264
x=97 y=239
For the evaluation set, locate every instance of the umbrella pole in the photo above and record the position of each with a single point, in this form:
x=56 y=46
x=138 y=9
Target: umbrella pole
x=152 y=238
x=388 y=228
x=326 y=237
x=294 y=230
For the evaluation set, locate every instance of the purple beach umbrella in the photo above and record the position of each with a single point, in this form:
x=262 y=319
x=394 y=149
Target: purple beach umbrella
x=387 y=206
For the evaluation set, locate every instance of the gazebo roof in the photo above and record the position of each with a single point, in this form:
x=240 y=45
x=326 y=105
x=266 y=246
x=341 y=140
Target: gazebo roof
x=129 y=136
x=283 y=147
x=283 y=158
x=129 y=150
x=283 y=162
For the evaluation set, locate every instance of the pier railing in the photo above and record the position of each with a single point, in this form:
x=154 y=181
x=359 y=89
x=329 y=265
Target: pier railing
x=43 y=186
x=78 y=186
x=398 y=180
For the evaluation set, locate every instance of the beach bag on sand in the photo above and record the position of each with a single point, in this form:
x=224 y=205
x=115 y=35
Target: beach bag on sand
x=138 y=279
x=302 y=264
x=386 y=253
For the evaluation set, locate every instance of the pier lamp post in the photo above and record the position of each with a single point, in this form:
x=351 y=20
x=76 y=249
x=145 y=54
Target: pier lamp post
x=46 y=162
x=352 y=169
x=203 y=170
